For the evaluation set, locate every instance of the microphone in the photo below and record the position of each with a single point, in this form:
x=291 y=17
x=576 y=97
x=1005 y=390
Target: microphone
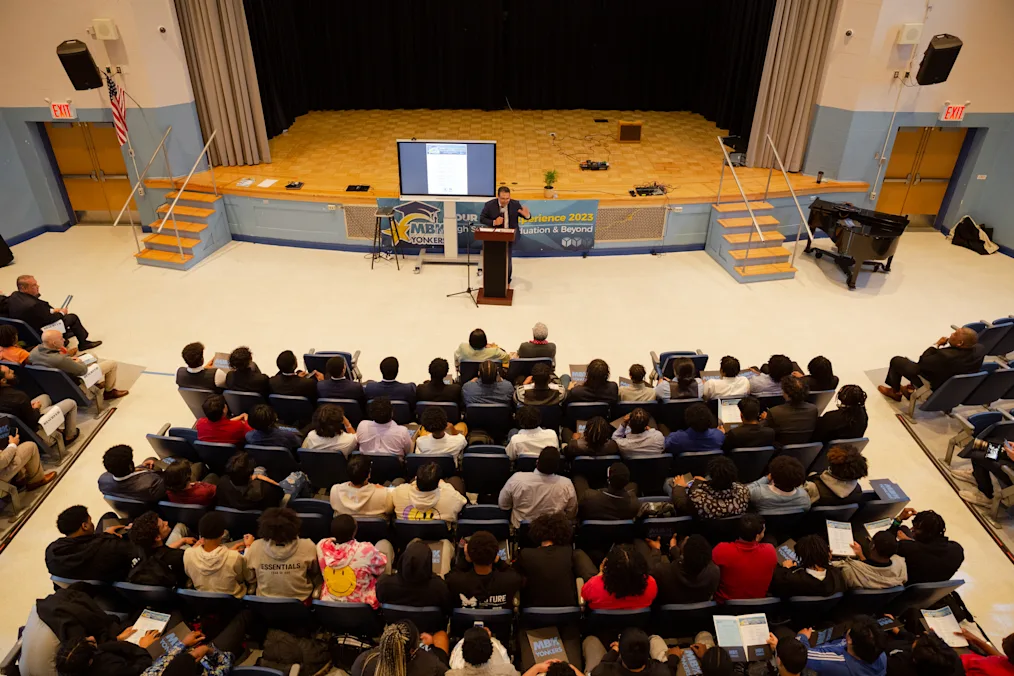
x=503 y=213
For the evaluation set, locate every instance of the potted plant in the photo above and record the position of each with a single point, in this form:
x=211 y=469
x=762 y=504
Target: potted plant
x=550 y=176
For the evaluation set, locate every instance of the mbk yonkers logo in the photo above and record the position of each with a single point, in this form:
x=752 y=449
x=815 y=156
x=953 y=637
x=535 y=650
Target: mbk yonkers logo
x=416 y=223
x=574 y=243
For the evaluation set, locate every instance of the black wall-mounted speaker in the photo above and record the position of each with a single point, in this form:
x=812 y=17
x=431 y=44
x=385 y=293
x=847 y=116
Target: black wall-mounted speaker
x=79 y=64
x=938 y=60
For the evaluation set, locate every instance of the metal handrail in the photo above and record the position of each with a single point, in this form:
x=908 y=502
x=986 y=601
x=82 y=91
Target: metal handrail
x=739 y=185
x=802 y=218
x=179 y=191
x=140 y=180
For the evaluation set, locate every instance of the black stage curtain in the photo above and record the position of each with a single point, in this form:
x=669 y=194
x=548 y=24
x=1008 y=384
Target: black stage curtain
x=705 y=56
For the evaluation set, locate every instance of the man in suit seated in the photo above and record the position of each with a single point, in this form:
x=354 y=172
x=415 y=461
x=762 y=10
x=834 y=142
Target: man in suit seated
x=196 y=373
x=50 y=353
x=336 y=384
x=951 y=356
x=291 y=381
x=25 y=304
x=389 y=386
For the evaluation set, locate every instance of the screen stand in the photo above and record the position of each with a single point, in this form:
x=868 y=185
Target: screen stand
x=450 y=256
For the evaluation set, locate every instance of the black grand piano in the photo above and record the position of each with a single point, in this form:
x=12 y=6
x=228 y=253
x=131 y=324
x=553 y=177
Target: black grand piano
x=862 y=236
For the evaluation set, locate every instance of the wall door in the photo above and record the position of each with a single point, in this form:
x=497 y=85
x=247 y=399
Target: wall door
x=92 y=169
x=920 y=168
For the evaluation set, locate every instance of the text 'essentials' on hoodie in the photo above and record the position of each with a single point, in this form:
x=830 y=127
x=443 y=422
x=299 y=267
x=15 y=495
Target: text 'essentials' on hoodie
x=221 y=570
x=283 y=571
x=350 y=571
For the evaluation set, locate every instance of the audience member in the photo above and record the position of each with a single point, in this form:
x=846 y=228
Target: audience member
x=83 y=554
x=350 y=568
x=983 y=469
x=357 y=496
x=882 y=569
x=27 y=305
x=623 y=582
x=954 y=355
x=337 y=384
x=814 y=576
x=389 y=386
x=478 y=348
x=196 y=374
x=488 y=388
x=637 y=390
x=291 y=381
x=611 y=503
x=443 y=438
x=848 y=421
x=415 y=583
x=403 y=651
x=596 y=386
x=782 y=488
x=821 y=376
x=283 y=564
x=770 y=383
x=122 y=479
x=596 y=440
x=992 y=662
x=716 y=497
x=212 y=566
x=839 y=483
x=861 y=652
x=331 y=431
x=747 y=565
x=160 y=548
x=702 y=433
x=929 y=555
x=790 y=655
x=635 y=438
x=632 y=654
x=538 y=346
x=244 y=375
x=539 y=389
x=794 y=421
x=20 y=464
x=428 y=497
x=87 y=657
x=484 y=584
x=550 y=568
x=50 y=353
x=180 y=488
x=928 y=655
x=688 y=575
x=531 y=494
x=729 y=385
x=241 y=488
x=9 y=348
x=478 y=653
x=531 y=438
x=266 y=431
x=684 y=383
x=437 y=388
x=381 y=435
x=216 y=426
x=751 y=433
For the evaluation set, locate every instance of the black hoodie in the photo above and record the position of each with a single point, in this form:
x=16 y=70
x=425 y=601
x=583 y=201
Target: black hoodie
x=72 y=613
x=119 y=658
x=415 y=584
x=99 y=556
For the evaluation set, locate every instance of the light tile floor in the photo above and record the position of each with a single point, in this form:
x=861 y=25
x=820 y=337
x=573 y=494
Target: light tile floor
x=617 y=308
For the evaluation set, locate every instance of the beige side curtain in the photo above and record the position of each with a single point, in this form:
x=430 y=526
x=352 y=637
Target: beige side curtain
x=224 y=78
x=793 y=68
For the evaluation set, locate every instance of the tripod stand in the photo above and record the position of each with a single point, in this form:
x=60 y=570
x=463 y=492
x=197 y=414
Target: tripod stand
x=468 y=273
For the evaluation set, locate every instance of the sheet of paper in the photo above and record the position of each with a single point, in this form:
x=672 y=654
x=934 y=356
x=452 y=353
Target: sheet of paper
x=625 y=382
x=58 y=325
x=875 y=527
x=244 y=182
x=944 y=625
x=51 y=420
x=728 y=411
x=727 y=631
x=267 y=183
x=87 y=359
x=839 y=536
x=753 y=629
x=93 y=376
x=148 y=620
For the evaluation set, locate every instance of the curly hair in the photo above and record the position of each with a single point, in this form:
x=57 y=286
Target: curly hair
x=193 y=353
x=433 y=419
x=845 y=462
x=119 y=460
x=381 y=410
x=75 y=656
x=795 y=389
x=638 y=420
x=598 y=373
x=476 y=646
x=553 y=527
x=240 y=359
x=279 y=525
x=696 y=555
x=779 y=366
x=482 y=548
x=145 y=531
x=868 y=641
x=787 y=473
x=928 y=526
x=722 y=473
x=729 y=366
x=71 y=519
x=637 y=373
x=528 y=417
x=328 y=421
x=820 y=370
x=698 y=418
x=176 y=476
x=263 y=418
x=597 y=431
x=813 y=552
x=625 y=572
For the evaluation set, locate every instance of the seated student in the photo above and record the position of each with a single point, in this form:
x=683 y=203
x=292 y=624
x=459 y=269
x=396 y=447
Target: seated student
x=839 y=483
x=702 y=434
x=531 y=438
x=478 y=348
x=954 y=355
x=240 y=488
x=388 y=386
x=860 y=652
x=29 y=411
x=597 y=439
x=51 y=353
x=814 y=576
x=530 y=494
x=730 y=385
x=882 y=569
x=336 y=384
x=9 y=348
x=596 y=387
x=782 y=488
x=212 y=566
x=623 y=582
x=688 y=575
x=637 y=390
x=196 y=373
x=283 y=564
x=244 y=375
x=683 y=385
x=414 y=584
x=427 y=497
x=929 y=555
x=613 y=502
x=716 y=497
x=983 y=469
x=848 y=421
x=747 y=565
x=331 y=431
x=161 y=552
x=484 y=584
x=550 y=569
x=435 y=389
x=794 y=421
x=992 y=661
x=266 y=431
x=790 y=655
x=928 y=655
x=83 y=554
x=403 y=651
x=216 y=425
x=633 y=654
x=180 y=488
x=122 y=479
x=66 y=614
x=478 y=653
x=291 y=381
x=350 y=568
x=380 y=435
x=20 y=464
x=750 y=434
x=357 y=496
x=84 y=656
x=539 y=389
x=488 y=388
x=538 y=346
x=821 y=376
x=635 y=438
x=443 y=438
x=769 y=383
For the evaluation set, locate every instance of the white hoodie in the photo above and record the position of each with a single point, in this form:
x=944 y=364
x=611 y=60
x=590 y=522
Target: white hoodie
x=369 y=500
x=444 y=503
x=221 y=570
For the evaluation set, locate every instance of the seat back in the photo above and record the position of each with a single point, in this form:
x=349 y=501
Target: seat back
x=483 y=512
x=429 y=619
x=166 y=446
x=239 y=522
x=489 y=449
x=953 y=392
x=783 y=522
x=718 y=530
x=26 y=334
x=316 y=527
x=525 y=463
x=28 y=433
x=317 y=361
x=384 y=468
x=875 y=510
x=400 y=410
x=694 y=462
x=622 y=408
x=991 y=335
x=200 y=603
x=769 y=605
x=664 y=527
x=613 y=622
x=673 y=413
x=868 y=601
x=468 y=369
x=311 y=506
x=521 y=367
x=537 y=617
x=752 y=463
x=649 y=472
x=58 y=385
x=214 y=454
x=128 y=507
x=276 y=460
x=427 y=530
x=997 y=385
x=584 y=410
x=499 y=528
x=816 y=519
x=372 y=529
x=806 y=454
x=242 y=402
x=679 y=620
x=601 y=535
x=806 y=611
x=175 y=512
x=552 y=417
x=281 y=613
x=451 y=410
x=1005 y=345
x=821 y=398
x=194 y=399
x=446 y=461
x=499 y=621
x=146 y=595
x=485 y=473
x=922 y=595
x=355 y=619
x=820 y=463
x=667 y=362
x=593 y=468
x=290 y=408
x=494 y=419
x=324 y=468
x=353 y=410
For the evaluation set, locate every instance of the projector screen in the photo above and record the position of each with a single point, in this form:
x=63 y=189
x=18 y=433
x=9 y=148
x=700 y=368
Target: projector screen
x=457 y=170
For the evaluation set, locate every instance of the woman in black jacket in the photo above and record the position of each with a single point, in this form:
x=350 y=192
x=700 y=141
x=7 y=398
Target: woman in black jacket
x=848 y=421
x=814 y=576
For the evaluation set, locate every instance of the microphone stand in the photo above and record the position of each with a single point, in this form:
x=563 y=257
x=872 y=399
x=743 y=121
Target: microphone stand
x=469 y=291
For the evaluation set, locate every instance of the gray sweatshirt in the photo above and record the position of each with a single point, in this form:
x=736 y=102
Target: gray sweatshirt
x=283 y=571
x=221 y=570
x=861 y=575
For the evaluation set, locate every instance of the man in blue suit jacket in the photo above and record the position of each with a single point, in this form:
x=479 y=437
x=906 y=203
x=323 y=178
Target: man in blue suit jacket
x=336 y=385
x=388 y=386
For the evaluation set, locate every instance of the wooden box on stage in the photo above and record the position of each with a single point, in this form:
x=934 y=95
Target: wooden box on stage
x=495 y=260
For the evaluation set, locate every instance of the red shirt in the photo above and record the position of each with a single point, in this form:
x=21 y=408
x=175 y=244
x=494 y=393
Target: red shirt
x=197 y=493
x=595 y=595
x=977 y=665
x=225 y=431
x=746 y=569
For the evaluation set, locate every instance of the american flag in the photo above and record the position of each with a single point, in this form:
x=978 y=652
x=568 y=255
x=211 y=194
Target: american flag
x=119 y=110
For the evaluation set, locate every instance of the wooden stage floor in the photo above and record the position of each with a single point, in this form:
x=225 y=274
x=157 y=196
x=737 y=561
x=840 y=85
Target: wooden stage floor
x=329 y=150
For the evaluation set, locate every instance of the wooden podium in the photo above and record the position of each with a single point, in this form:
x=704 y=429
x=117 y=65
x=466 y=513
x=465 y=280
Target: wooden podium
x=495 y=259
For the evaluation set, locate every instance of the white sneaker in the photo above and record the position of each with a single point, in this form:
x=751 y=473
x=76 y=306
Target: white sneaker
x=962 y=475
x=975 y=497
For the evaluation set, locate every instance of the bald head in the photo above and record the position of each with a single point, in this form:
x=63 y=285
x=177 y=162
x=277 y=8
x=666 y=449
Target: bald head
x=963 y=337
x=52 y=339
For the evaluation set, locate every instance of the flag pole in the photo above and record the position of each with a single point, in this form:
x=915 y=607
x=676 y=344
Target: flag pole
x=130 y=151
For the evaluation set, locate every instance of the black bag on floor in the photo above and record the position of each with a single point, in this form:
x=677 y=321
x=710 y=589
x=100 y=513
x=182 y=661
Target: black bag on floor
x=972 y=236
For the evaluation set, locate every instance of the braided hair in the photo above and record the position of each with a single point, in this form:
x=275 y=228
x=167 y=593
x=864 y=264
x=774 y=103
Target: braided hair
x=397 y=644
x=852 y=401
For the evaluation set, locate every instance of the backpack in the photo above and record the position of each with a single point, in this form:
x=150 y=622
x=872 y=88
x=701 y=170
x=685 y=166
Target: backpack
x=970 y=235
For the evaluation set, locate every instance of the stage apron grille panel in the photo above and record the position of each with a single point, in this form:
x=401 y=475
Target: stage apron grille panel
x=360 y=221
x=624 y=223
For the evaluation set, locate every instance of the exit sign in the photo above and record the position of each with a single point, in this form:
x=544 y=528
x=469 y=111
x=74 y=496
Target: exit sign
x=953 y=113
x=63 y=111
